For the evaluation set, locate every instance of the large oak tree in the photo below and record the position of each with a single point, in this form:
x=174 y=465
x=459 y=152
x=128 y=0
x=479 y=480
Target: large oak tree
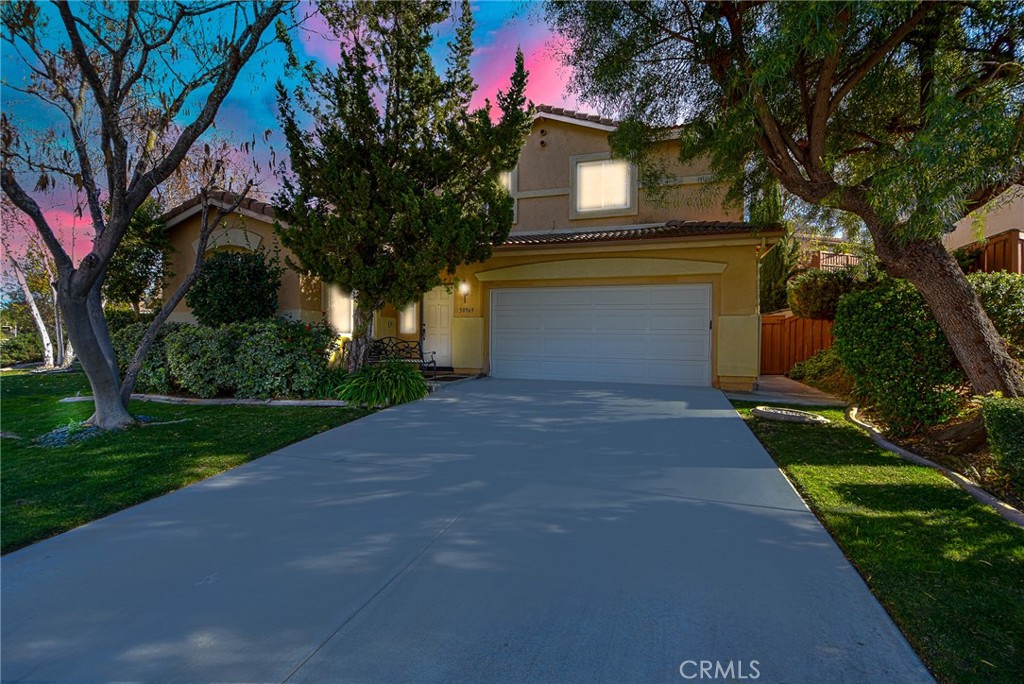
x=909 y=115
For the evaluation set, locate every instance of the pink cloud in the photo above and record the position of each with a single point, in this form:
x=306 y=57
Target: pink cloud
x=493 y=65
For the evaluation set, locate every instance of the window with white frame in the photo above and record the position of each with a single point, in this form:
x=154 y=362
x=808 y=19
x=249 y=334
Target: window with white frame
x=409 y=320
x=602 y=186
x=339 y=309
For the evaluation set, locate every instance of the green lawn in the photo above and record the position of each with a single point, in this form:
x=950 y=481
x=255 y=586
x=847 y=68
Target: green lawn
x=949 y=570
x=44 y=490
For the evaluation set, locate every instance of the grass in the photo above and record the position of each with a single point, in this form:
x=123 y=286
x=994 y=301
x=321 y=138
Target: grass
x=949 y=570
x=47 y=490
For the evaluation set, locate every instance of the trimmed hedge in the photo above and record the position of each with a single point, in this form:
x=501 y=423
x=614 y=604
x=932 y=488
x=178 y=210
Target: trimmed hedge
x=200 y=359
x=1004 y=421
x=255 y=360
x=153 y=376
x=898 y=356
x=278 y=358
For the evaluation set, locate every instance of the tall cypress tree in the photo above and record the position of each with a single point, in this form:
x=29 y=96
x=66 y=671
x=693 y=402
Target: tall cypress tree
x=395 y=184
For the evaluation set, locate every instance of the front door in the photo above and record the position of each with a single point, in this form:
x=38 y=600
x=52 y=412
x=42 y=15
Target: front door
x=437 y=325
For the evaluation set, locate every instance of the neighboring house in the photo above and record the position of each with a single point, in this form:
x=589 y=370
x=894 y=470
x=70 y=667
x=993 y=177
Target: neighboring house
x=826 y=253
x=995 y=232
x=595 y=282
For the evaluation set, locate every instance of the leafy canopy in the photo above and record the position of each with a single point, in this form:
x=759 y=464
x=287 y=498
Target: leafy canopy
x=908 y=114
x=138 y=267
x=396 y=181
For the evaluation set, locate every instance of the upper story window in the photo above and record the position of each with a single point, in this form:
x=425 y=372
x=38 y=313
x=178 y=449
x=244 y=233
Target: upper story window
x=510 y=180
x=602 y=186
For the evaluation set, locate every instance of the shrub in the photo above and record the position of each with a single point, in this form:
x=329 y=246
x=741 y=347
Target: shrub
x=278 y=358
x=1004 y=421
x=200 y=359
x=120 y=316
x=898 y=356
x=154 y=375
x=27 y=346
x=1002 y=296
x=384 y=384
x=823 y=364
x=234 y=287
x=816 y=293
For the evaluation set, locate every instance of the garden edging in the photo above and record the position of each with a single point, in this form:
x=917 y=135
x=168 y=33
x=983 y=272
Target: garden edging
x=1001 y=507
x=164 y=399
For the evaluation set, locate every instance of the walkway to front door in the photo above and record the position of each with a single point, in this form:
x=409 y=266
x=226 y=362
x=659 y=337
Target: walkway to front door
x=498 y=531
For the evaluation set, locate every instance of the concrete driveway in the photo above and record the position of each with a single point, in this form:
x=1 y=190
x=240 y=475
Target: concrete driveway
x=499 y=531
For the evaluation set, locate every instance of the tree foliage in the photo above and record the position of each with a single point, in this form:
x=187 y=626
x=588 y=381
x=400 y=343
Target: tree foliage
x=909 y=115
x=397 y=182
x=235 y=287
x=139 y=266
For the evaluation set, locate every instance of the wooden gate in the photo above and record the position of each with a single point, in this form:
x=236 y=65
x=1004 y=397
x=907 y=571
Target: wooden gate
x=786 y=339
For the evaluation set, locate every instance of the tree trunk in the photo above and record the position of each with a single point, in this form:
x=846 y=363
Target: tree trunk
x=362 y=323
x=94 y=350
x=37 y=317
x=982 y=353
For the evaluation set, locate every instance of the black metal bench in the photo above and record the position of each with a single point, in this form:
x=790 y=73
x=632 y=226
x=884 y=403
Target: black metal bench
x=396 y=349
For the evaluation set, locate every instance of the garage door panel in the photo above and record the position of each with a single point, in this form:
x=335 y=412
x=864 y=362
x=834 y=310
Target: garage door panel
x=514 y=321
x=697 y=297
x=518 y=345
x=649 y=334
x=566 y=319
x=680 y=321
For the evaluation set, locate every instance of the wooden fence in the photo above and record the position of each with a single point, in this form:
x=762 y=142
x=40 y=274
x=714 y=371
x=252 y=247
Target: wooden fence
x=786 y=339
x=1002 y=252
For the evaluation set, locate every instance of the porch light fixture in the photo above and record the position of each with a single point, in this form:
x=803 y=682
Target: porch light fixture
x=464 y=291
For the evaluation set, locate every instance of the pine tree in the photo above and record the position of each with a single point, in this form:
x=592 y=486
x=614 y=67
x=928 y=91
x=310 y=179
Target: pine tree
x=396 y=184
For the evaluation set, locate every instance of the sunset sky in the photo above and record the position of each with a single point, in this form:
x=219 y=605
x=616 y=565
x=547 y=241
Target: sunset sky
x=250 y=110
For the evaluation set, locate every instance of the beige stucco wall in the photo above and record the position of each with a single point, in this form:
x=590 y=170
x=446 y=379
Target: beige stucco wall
x=542 y=187
x=1003 y=213
x=299 y=297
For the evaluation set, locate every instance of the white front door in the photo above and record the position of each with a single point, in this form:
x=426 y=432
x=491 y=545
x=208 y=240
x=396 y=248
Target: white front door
x=437 y=322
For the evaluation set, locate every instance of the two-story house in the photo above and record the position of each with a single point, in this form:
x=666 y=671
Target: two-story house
x=596 y=281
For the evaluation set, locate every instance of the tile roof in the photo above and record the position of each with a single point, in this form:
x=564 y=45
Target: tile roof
x=223 y=199
x=573 y=114
x=672 y=229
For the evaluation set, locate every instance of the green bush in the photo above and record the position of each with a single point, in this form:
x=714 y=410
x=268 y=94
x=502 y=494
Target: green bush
x=384 y=384
x=154 y=376
x=234 y=287
x=120 y=316
x=278 y=358
x=898 y=356
x=21 y=349
x=1004 y=421
x=200 y=359
x=1002 y=296
x=818 y=367
x=816 y=293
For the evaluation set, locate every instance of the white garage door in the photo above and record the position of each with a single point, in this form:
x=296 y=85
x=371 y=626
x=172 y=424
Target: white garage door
x=654 y=334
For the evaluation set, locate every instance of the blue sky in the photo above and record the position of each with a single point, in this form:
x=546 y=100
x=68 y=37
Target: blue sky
x=250 y=110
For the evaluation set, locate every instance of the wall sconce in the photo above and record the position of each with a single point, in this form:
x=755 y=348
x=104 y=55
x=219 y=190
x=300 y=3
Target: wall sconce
x=464 y=291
